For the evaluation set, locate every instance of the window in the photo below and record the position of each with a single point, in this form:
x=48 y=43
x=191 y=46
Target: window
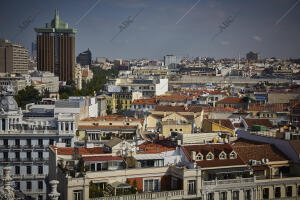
x=17 y=142
x=17 y=170
x=266 y=193
x=40 y=142
x=98 y=166
x=17 y=155
x=171 y=129
x=232 y=155
x=28 y=169
x=40 y=154
x=191 y=186
x=298 y=190
x=289 y=190
x=5 y=155
x=40 y=169
x=222 y=156
x=248 y=195
x=277 y=192
x=235 y=195
x=210 y=196
x=28 y=185
x=51 y=142
x=151 y=185
x=199 y=157
x=5 y=142
x=28 y=142
x=28 y=155
x=17 y=185
x=93 y=166
x=209 y=156
x=40 y=197
x=110 y=124
x=174 y=183
x=77 y=195
x=223 y=196
x=40 y=185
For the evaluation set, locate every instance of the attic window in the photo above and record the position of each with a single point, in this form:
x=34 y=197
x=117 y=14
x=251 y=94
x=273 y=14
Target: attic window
x=209 y=156
x=233 y=155
x=222 y=156
x=199 y=157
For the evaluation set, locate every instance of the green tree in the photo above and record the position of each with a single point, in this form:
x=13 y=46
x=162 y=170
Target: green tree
x=27 y=95
x=94 y=191
x=64 y=96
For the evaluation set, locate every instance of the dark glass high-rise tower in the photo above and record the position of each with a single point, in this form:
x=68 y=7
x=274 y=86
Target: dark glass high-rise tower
x=56 y=49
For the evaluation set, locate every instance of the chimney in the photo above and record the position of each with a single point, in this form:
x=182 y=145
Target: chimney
x=193 y=155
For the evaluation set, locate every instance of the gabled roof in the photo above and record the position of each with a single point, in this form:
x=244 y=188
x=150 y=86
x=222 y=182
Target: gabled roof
x=151 y=101
x=250 y=150
x=259 y=122
x=172 y=97
x=275 y=107
x=156 y=147
x=232 y=100
x=215 y=149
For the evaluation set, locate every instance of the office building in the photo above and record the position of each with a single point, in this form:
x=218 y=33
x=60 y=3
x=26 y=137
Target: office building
x=171 y=59
x=56 y=49
x=84 y=58
x=13 y=58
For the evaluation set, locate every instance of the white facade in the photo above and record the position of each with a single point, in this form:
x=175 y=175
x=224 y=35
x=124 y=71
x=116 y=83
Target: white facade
x=162 y=87
x=93 y=107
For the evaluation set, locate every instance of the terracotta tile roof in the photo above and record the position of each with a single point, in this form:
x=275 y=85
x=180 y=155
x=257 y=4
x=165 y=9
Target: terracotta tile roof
x=275 y=107
x=84 y=127
x=260 y=122
x=172 y=97
x=250 y=150
x=224 y=122
x=179 y=108
x=232 y=100
x=81 y=150
x=219 y=109
x=157 y=147
x=216 y=149
x=151 y=101
x=102 y=158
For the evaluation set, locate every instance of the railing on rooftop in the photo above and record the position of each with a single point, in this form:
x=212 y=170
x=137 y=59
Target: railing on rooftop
x=228 y=181
x=175 y=194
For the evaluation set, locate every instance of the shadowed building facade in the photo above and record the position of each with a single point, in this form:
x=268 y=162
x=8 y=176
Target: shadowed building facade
x=56 y=49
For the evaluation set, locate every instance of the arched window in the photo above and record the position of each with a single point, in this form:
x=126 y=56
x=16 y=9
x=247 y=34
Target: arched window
x=199 y=157
x=233 y=155
x=222 y=156
x=209 y=156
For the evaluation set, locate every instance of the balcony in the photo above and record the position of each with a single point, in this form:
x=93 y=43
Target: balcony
x=4 y=147
x=17 y=147
x=41 y=147
x=5 y=160
x=27 y=160
x=175 y=194
x=16 y=160
x=237 y=181
x=40 y=159
x=28 y=147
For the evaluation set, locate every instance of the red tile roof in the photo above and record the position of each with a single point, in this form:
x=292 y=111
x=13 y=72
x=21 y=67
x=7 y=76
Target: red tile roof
x=179 y=108
x=172 y=97
x=260 y=122
x=275 y=107
x=215 y=149
x=232 y=100
x=101 y=158
x=113 y=117
x=250 y=150
x=157 y=147
x=81 y=150
x=151 y=101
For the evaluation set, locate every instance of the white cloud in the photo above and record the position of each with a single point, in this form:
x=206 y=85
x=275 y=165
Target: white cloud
x=257 y=38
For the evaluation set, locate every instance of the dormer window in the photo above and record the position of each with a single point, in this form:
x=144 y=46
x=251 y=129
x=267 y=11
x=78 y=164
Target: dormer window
x=209 y=156
x=233 y=155
x=222 y=156
x=199 y=157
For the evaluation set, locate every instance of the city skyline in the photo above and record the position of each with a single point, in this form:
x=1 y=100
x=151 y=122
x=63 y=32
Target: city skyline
x=183 y=28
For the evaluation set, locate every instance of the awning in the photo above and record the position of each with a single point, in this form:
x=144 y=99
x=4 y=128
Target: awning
x=119 y=185
x=228 y=170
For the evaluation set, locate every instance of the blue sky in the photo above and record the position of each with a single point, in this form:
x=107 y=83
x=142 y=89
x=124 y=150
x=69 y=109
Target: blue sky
x=156 y=31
